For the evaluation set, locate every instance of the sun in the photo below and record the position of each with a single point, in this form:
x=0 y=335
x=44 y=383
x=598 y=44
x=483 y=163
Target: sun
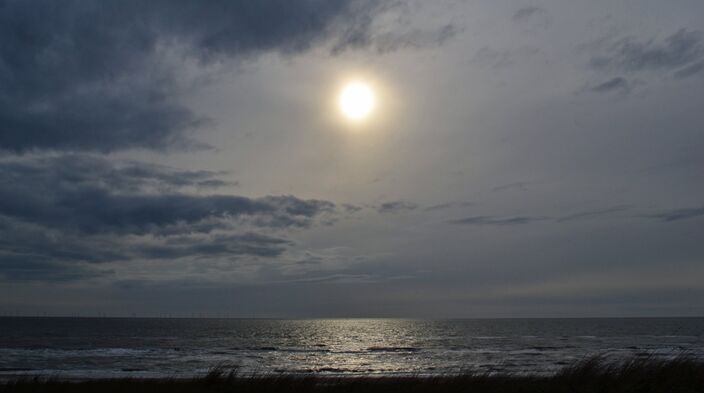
x=357 y=100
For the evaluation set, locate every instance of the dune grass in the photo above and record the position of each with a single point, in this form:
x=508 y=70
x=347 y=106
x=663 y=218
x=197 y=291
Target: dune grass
x=594 y=375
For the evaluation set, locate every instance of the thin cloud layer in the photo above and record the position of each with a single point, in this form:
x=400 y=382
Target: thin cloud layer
x=491 y=220
x=680 y=214
x=682 y=52
x=449 y=205
x=396 y=207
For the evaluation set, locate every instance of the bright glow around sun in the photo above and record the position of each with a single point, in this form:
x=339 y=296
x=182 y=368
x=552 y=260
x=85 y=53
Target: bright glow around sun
x=357 y=100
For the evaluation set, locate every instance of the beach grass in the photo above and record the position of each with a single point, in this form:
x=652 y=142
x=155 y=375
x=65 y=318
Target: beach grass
x=593 y=375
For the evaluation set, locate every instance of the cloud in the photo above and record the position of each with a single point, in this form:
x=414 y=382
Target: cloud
x=30 y=252
x=396 y=207
x=680 y=214
x=681 y=51
x=614 y=211
x=520 y=220
x=616 y=84
x=350 y=208
x=341 y=278
x=38 y=267
x=75 y=170
x=492 y=220
x=231 y=245
x=90 y=195
x=393 y=41
x=527 y=12
x=33 y=252
x=448 y=205
x=73 y=212
x=594 y=213
x=105 y=76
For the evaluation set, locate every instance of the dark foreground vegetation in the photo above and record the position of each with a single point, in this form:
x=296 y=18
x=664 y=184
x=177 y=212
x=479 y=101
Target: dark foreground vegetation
x=680 y=375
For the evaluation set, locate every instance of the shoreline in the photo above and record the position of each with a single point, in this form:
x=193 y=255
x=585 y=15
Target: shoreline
x=600 y=360
x=682 y=374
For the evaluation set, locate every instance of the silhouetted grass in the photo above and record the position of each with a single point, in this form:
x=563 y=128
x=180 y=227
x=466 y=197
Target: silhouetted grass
x=594 y=375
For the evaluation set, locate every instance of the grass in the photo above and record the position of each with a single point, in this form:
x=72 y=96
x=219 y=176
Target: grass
x=594 y=375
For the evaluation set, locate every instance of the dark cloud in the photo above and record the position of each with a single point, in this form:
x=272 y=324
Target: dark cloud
x=228 y=246
x=96 y=76
x=527 y=12
x=77 y=211
x=492 y=220
x=616 y=84
x=680 y=214
x=449 y=205
x=396 y=207
x=31 y=252
x=76 y=170
x=97 y=210
x=519 y=220
x=26 y=239
x=35 y=267
x=89 y=194
x=605 y=213
x=393 y=41
x=350 y=208
x=594 y=213
x=681 y=51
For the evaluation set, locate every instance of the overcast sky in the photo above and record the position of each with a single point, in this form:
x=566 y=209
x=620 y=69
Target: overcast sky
x=525 y=158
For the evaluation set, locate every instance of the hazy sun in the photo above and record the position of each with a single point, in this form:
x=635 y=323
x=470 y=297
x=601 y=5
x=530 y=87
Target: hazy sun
x=357 y=100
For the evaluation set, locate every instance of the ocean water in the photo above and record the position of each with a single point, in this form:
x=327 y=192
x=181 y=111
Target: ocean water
x=134 y=347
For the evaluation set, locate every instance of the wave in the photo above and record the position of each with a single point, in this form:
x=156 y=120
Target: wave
x=14 y=369
x=393 y=349
x=98 y=352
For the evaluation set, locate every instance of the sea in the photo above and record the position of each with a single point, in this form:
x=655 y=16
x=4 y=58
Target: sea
x=85 y=348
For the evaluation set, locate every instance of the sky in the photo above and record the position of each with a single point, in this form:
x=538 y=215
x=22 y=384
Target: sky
x=182 y=158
